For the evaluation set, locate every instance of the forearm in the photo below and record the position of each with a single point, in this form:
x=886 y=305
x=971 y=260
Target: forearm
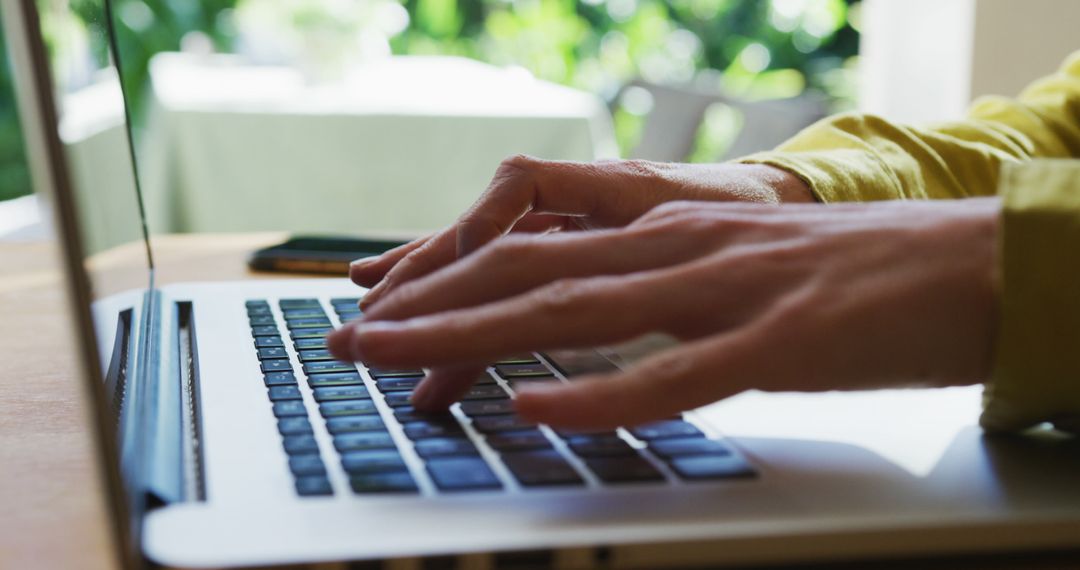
x=856 y=157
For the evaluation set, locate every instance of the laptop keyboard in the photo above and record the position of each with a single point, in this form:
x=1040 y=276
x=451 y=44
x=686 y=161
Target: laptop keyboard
x=503 y=450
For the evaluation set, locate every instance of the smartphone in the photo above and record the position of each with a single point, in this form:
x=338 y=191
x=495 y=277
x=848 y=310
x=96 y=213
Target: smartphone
x=314 y=254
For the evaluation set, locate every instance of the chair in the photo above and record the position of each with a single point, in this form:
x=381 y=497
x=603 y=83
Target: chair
x=677 y=113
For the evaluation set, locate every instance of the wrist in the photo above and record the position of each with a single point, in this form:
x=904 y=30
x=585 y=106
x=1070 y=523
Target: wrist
x=789 y=188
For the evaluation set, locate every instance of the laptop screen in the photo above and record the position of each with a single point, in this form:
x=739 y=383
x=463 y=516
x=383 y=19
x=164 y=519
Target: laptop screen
x=76 y=127
x=94 y=130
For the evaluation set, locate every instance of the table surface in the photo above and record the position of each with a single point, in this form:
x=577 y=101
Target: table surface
x=54 y=514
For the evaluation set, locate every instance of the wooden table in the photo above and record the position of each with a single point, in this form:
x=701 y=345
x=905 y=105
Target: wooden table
x=53 y=510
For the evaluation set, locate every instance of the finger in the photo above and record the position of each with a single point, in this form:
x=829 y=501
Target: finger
x=444 y=386
x=438 y=251
x=369 y=270
x=565 y=314
x=524 y=185
x=514 y=266
x=673 y=381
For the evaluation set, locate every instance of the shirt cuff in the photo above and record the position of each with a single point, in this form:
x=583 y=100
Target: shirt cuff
x=838 y=175
x=1036 y=376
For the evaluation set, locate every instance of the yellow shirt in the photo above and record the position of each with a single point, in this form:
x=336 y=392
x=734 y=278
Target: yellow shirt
x=1036 y=376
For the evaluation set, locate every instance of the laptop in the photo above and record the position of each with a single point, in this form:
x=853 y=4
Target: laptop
x=228 y=436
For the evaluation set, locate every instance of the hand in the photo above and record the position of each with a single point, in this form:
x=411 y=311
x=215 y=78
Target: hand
x=801 y=297
x=528 y=195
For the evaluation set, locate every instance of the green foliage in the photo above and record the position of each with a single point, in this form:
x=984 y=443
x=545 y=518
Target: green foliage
x=14 y=179
x=751 y=48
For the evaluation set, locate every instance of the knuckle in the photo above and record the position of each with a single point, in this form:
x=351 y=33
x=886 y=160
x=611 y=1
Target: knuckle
x=508 y=250
x=560 y=298
x=520 y=162
x=642 y=168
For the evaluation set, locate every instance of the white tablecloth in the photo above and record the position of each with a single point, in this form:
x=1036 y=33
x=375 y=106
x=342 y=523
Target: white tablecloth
x=404 y=143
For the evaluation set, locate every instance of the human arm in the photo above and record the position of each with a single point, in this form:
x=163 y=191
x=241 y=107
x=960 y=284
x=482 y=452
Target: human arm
x=803 y=297
x=1035 y=376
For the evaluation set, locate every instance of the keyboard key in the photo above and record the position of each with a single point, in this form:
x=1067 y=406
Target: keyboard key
x=680 y=447
x=268 y=341
x=256 y=303
x=315 y=355
x=278 y=393
x=302 y=465
x=395 y=482
x=390 y=373
x=294 y=426
x=698 y=467
x=348 y=408
x=484 y=379
x=444 y=447
x=258 y=310
x=300 y=444
x=571 y=432
x=275 y=366
x=486 y=392
x=404 y=384
x=266 y=330
x=287 y=304
x=426 y=429
x=524 y=358
x=272 y=353
x=297 y=334
x=312 y=313
x=335 y=393
x=398 y=399
x=487 y=407
x=522 y=370
x=665 y=429
x=313 y=486
x=517 y=383
x=353 y=424
x=335 y=379
x=279 y=379
x=353 y=302
x=462 y=474
x=289 y=408
x=518 y=440
x=628 y=469
x=347 y=316
x=375 y=461
x=310 y=343
x=363 y=441
x=328 y=366
x=541 y=468
x=261 y=320
x=580 y=362
x=600 y=446
x=510 y=422
x=405 y=414
x=321 y=322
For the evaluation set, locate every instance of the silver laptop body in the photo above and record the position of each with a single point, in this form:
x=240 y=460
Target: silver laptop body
x=195 y=465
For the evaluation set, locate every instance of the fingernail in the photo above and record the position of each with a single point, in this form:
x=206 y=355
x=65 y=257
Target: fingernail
x=363 y=261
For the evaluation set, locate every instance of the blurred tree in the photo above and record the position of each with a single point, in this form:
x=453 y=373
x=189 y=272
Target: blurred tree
x=14 y=178
x=748 y=48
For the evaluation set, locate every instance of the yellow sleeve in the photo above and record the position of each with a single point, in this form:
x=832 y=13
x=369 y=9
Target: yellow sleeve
x=857 y=157
x=850 y=157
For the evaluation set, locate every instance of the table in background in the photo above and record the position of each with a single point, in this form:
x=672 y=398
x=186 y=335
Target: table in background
x=401 y=143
